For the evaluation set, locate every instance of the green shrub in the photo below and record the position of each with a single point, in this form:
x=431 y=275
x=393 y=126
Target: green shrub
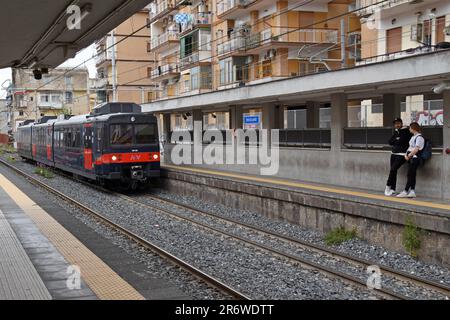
x=412 y=237
x=11 y=159
x=47 y=174
x=339 y=235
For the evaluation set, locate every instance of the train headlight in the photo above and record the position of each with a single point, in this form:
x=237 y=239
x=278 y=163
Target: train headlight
x=155 y=156
x=114 y=158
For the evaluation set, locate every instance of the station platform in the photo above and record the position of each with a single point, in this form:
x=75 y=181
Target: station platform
x=377 y=218
x=426 y=205
x=42 y=244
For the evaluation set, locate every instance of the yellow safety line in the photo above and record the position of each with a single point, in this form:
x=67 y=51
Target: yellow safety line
x=102 y=280
x=316 y=188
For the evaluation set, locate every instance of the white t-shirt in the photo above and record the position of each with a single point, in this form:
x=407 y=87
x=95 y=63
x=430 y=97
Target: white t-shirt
x=416 y=141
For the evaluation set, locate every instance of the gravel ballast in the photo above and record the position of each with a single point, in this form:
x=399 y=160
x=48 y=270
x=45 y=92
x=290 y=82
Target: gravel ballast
x=254 y=272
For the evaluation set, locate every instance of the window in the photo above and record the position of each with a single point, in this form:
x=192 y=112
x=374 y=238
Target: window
x=394 y=40
x=69 y=97
x=148 y=23
x=145 y=133
x=68 y=80
x=21 y=113
x=440 y=26
x=149 y=46
x=121 y=134
x=149 y=72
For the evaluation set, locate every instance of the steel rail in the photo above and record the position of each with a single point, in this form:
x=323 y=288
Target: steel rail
x=199 y=274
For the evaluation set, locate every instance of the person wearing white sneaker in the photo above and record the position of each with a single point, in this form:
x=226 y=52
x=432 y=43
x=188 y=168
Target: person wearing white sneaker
x=416 y=145
x=400 y=143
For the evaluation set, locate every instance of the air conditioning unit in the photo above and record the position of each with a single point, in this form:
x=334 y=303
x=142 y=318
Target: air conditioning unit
x=249 y=60
x=417 y=32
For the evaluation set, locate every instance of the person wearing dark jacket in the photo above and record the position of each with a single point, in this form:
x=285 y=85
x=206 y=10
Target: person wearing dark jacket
x=400 y=143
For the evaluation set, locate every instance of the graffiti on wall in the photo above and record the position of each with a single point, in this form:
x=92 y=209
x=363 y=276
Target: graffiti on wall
x=432 y=118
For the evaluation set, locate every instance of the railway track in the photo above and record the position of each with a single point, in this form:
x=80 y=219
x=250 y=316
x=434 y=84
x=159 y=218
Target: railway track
x=361 y=263
x=197 y=273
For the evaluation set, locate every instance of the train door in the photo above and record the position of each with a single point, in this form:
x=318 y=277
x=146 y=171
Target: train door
x=88 y=144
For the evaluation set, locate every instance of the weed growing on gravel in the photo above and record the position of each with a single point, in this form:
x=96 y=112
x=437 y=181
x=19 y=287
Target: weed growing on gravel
x=47 y=174
x=339 y=235
x=412 y=237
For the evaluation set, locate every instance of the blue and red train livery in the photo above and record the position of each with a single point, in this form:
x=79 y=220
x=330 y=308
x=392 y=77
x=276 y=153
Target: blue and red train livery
x=115 y=144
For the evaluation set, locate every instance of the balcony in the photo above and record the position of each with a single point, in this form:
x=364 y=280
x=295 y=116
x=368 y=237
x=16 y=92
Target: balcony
x=232 y=46
x=165 y=71
x=169 y=91
x=368 y=7
x=162 y=41
x=100 y=83
x=231 y=9
x=198 y=57
x=198 y=19
x=198 y=83
x=162 y=8
x=278 y=37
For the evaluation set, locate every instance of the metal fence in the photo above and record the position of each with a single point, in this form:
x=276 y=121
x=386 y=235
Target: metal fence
x=378 y=138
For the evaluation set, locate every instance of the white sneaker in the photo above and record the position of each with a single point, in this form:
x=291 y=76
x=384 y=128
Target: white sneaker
x=388 y=192
x=403 y=194
x=412 y=194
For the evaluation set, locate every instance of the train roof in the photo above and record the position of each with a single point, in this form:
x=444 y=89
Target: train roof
x=90 y=119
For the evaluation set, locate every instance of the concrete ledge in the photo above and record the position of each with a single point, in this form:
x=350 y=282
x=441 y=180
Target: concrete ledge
x=376 y=221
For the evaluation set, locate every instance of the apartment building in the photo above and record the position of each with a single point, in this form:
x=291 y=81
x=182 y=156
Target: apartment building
x=399 y=28
x=208 y=45
x=60 y=91
x=124 y=71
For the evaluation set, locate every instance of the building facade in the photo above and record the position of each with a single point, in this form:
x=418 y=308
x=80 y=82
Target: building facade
x=58 y=92
x=123 y=72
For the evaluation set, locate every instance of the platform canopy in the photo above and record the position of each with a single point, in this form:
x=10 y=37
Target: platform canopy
x=34 y=33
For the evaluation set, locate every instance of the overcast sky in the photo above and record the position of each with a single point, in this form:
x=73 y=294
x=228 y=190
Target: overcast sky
x=82 y=56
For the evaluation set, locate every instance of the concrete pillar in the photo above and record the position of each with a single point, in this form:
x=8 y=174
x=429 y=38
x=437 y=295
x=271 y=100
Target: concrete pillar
x=312 y=114
x=391 y=108
x=279 y=117
x=236 y=117
x=339 y=120
x=268 y=116
x=197 y=115
x=446 y=160
x=166 y=130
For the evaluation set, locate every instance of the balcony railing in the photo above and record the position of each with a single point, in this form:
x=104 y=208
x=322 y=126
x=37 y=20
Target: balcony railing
x=227 y=5
x=165 y=38
x=233 y=45
x=161 y=7
x=291 y=35
x=368 y=6
x=198 y=81
x=199 y=18
x=196 y=57
x=164 y=70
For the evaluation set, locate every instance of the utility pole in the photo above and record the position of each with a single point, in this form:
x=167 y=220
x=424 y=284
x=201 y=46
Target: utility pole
x=343 y=45
x=114 y=71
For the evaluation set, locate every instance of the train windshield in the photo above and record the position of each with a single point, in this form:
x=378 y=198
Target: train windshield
x=138 y=134
x=122 y=134
x=145 y=133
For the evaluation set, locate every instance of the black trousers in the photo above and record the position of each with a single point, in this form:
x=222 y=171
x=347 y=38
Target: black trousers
x=396 y=163
x=413 y=165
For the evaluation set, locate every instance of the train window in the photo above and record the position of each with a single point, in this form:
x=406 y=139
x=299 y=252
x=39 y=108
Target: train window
x=145 y=133
x=121 y=134
x=68 y=138
x=76 y=138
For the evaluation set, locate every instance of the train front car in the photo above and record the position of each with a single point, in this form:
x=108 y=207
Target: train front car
x=126 y=153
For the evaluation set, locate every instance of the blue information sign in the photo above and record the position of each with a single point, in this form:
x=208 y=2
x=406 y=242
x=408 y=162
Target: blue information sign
x=252 y=120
